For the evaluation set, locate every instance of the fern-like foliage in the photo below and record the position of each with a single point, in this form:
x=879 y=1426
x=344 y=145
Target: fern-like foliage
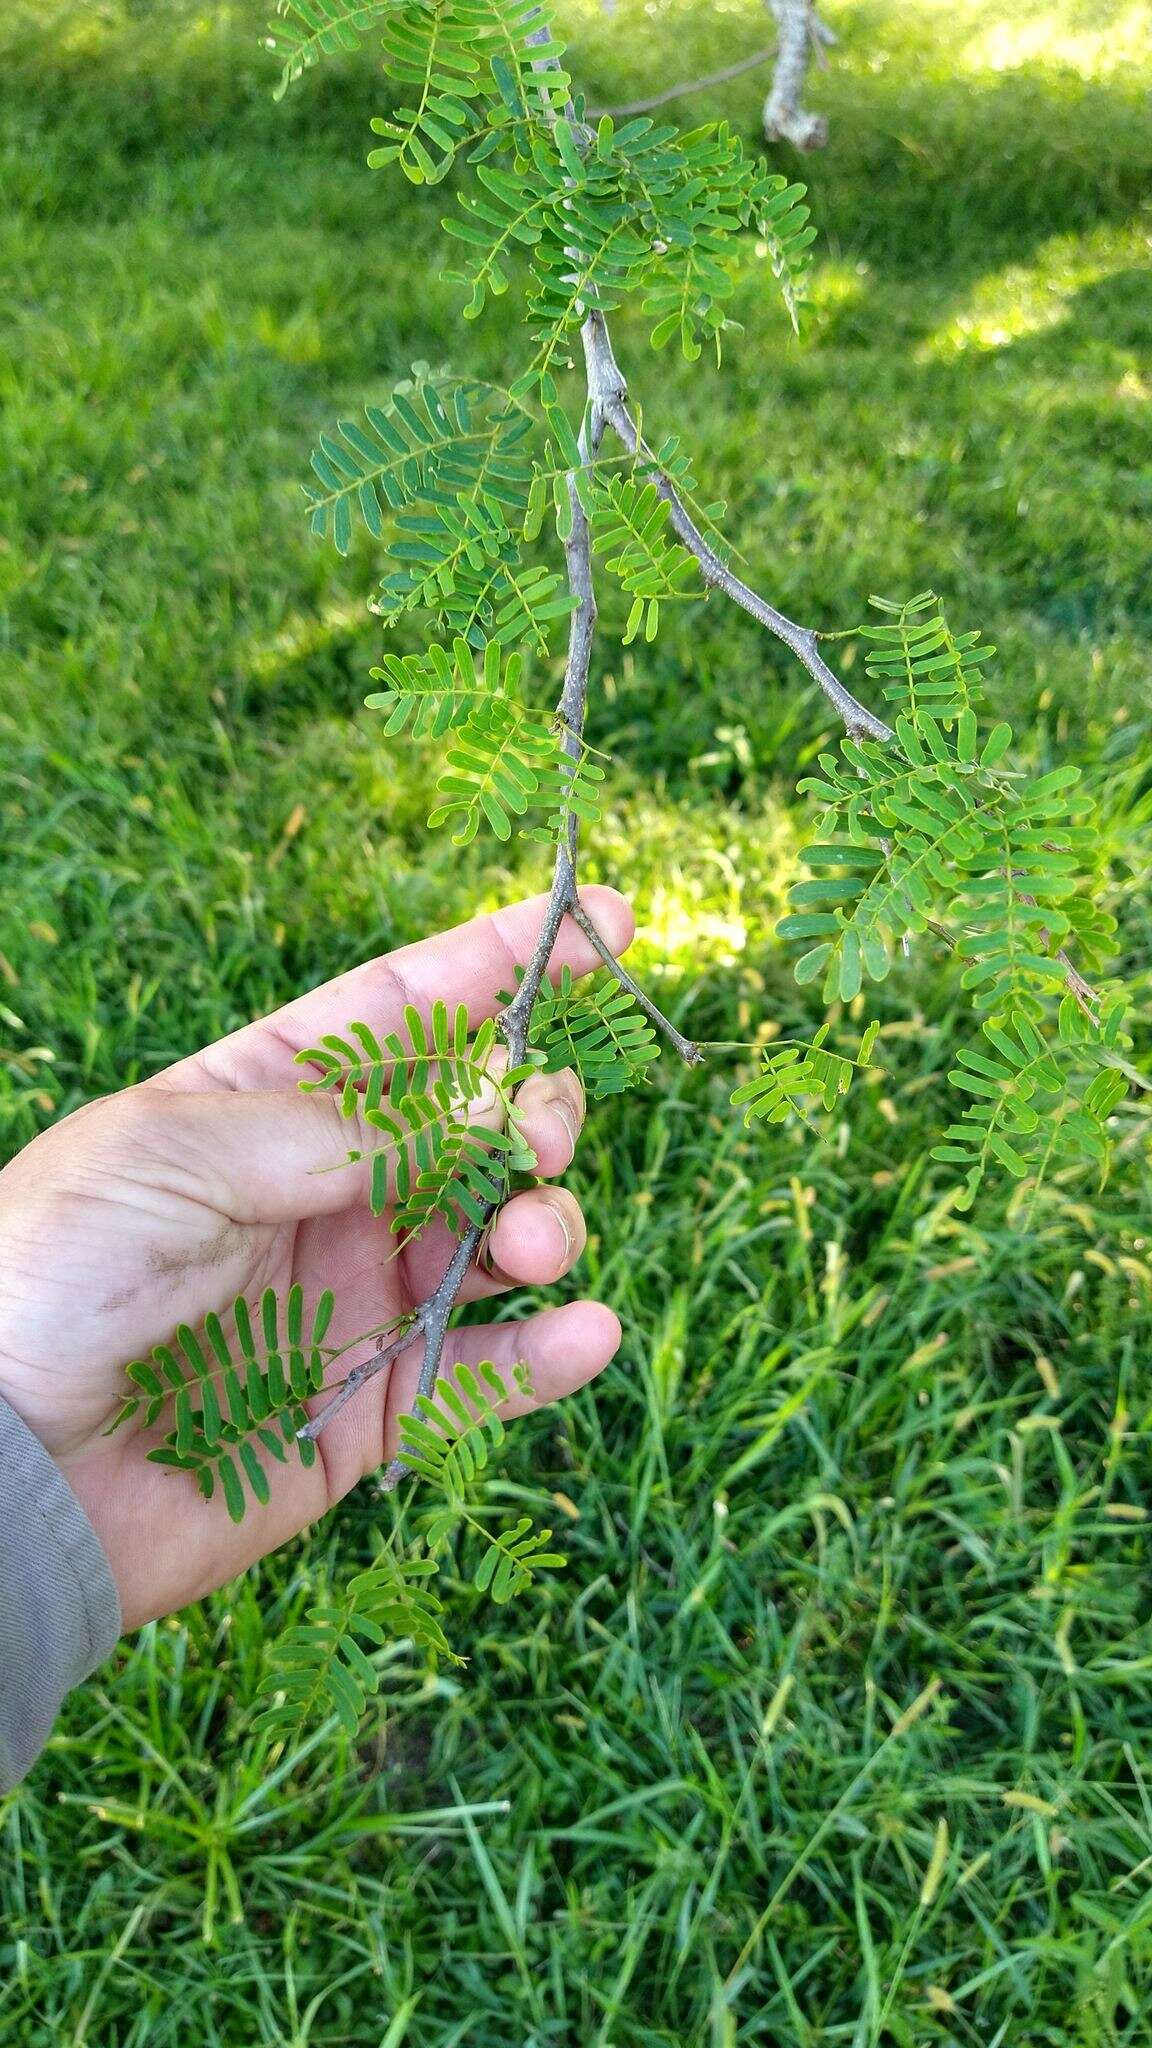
x=448 y=1440
x=713 y=193
x=577 y=218
x=306 y=30
x=919 y=662
x=418 y=1087
x=507 y=215
x=937 y=833
x=451 y=1433
x=369 y=1073
x=431 y=694
x=434 y=50
x=795 y=1071
x=596 y=1027
x=474 y=78
x=934 y=831
x=503 y=763
x=635 y=210
x=785 y=226
x=505 y=757
x=460 y=1173
x=234 y=1396
x=324 y=1664
x=578 y=778
x=434 y=438
x=1024 y=1115
x=630 y=526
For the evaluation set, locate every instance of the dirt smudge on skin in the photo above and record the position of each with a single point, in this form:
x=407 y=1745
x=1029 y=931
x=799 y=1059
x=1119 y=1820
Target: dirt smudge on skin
x=215 y=1250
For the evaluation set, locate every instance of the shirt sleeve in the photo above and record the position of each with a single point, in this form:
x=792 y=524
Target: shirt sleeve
x=59 y=1609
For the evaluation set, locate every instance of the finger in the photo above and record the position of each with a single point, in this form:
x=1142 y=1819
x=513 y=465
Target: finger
x=274 y=1156
x=143 y=1523
x=535 y=1240
x=561 y=1349
x=550 y=1113
x=470 y=964
x=537 y=1237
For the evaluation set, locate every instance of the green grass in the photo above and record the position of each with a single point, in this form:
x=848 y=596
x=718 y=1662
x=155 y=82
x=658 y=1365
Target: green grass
x=857 y=1524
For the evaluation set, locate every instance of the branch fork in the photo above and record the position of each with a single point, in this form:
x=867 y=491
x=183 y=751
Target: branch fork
x=802 y=34
x=606 y=407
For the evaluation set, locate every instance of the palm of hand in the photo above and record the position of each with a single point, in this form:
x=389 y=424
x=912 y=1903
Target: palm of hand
x=156 y=1206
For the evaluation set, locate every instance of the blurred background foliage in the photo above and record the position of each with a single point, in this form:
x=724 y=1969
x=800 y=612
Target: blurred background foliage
x=858 y=1522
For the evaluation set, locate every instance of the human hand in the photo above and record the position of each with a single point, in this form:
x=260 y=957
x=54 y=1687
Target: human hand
x=153 y=1207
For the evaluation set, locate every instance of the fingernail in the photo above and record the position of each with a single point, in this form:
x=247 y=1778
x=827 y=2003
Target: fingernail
x=562 y=1220
x=567 y=1115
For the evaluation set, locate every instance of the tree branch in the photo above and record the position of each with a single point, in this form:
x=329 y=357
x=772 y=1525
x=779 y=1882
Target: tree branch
x=606 y=406
x=688 y=1051
x=605 y=389
x=679 y=92
x=432 y=1317
x=801 y=33
x=384 y=1356
x=803 y=642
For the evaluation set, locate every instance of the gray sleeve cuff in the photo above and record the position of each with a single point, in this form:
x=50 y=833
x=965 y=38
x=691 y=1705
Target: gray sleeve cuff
x=59 y=1609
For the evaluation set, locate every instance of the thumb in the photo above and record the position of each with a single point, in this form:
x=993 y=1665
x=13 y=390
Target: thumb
x=280 y=1155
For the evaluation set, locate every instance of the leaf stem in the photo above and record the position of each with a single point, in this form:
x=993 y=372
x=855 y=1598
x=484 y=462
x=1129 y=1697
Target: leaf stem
x=689 y=1052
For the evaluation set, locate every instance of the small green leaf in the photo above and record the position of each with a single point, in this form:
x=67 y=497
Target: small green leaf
x=233 y=1490
x=811 y=965
x=996 y=745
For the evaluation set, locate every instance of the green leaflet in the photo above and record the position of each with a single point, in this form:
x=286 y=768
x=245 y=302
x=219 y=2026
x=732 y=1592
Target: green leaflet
x=458 y=1172
x=433 y=693
x=513 y=1557
x=1026 y=1114
x=638 y=209
x=793 y=1072
x=785 y=225
x=572 y=792
x=596 y=1027
x=450 y=1434
x=507 y=760
x=448 y=1440
x=418 y=1087
x=233 y=1396
x=505 y=757
x=505 y=217
x=922 y=666
x=461 y=560
x=306 y=30
x=630 y=528
x=503 y=762
x=370 y=1073
x=435 y=437
x=938 y=833
x=324 y=1664
x=436 y=50
x=934 y=831
x=472 y=72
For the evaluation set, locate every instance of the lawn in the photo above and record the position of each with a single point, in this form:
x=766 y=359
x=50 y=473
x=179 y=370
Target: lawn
x=835 y=1729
